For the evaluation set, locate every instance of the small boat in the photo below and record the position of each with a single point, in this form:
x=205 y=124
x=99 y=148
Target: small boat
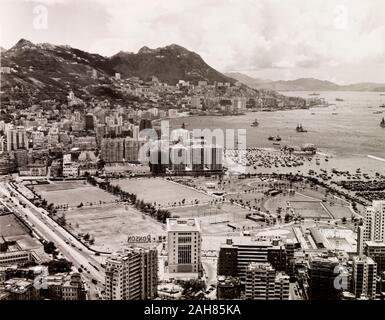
x=382 y=123
x=334 y=113
x=255 y=123
x=278 y=138
x=314 y=94
x=339 y=99
x=300 y=128
x=270 y=138
x=382 y=106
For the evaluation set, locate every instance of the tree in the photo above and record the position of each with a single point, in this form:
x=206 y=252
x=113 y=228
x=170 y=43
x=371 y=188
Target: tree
x=62 y=220
x=192 y=287
x=50 y=247
x=58 y=266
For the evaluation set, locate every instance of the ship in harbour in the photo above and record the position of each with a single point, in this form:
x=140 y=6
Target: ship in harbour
x=255 y=123
x=382 y=123
x=300 y=128
x=272 y=138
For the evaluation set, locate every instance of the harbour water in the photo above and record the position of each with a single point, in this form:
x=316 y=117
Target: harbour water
x=348 y=131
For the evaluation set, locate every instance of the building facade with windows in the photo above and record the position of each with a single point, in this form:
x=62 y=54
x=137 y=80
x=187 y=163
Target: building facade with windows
x=264 y=283
x=184 y=246
x=132 y=275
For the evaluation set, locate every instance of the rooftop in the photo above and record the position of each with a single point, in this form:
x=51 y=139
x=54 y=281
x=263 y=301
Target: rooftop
x=183 y=225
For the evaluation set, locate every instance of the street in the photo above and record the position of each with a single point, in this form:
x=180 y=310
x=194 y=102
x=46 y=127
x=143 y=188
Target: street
x=69 y=246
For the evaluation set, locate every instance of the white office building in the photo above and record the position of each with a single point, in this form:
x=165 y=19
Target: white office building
x=184 y=246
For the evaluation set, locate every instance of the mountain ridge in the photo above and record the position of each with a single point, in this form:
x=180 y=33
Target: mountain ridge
x=305 y=84
x=48 y=70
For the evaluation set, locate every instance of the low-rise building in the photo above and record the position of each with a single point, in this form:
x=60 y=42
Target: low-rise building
x=65 y=287
x=33 y=170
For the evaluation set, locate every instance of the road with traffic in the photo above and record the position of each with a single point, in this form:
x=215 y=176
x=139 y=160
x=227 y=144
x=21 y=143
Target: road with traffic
x=72 y=249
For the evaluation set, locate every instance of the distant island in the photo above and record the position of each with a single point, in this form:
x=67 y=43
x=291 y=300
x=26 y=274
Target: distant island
x=304 y=84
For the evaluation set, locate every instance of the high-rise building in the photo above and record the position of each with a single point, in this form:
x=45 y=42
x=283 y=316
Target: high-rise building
x=112 y=150
x=234 y=257
x=214 y=157
x=228 y=260
x=322 y=275
x=132 y=275
x=159 y=156
x=264 y=283
x=77 y=115
x=17 y=139
x=178 y=157
x=20 y=157
x=120 y=149
x=184 y=246
x=131 y=149
x=360 y=240
x=376 y=251
x=374 y=223
x=196 y=102
x=364 y=277
x=70 y=167
x=145 y=124
x=89 y=122
x=135 y=132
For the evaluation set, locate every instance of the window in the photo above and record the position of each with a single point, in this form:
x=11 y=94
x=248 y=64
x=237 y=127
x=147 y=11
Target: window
x=184 y=254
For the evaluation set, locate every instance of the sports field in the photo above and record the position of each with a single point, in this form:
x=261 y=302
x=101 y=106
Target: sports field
x=110 y=225
x=10 y=226
x=310 y=209
x=163 y=192
x=73 y=193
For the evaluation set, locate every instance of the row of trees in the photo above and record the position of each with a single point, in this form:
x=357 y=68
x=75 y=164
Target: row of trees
x=147 y=208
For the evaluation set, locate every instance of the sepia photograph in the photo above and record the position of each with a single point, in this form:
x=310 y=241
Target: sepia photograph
x=208 y=152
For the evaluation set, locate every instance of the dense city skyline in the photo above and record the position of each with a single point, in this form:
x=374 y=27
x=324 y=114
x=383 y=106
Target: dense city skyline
x=158 y=175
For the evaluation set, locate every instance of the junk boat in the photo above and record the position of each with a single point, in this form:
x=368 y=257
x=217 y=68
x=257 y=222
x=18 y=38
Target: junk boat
x=300 y=128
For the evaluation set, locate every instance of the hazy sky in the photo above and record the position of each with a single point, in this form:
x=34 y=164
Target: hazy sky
x=337 y=40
